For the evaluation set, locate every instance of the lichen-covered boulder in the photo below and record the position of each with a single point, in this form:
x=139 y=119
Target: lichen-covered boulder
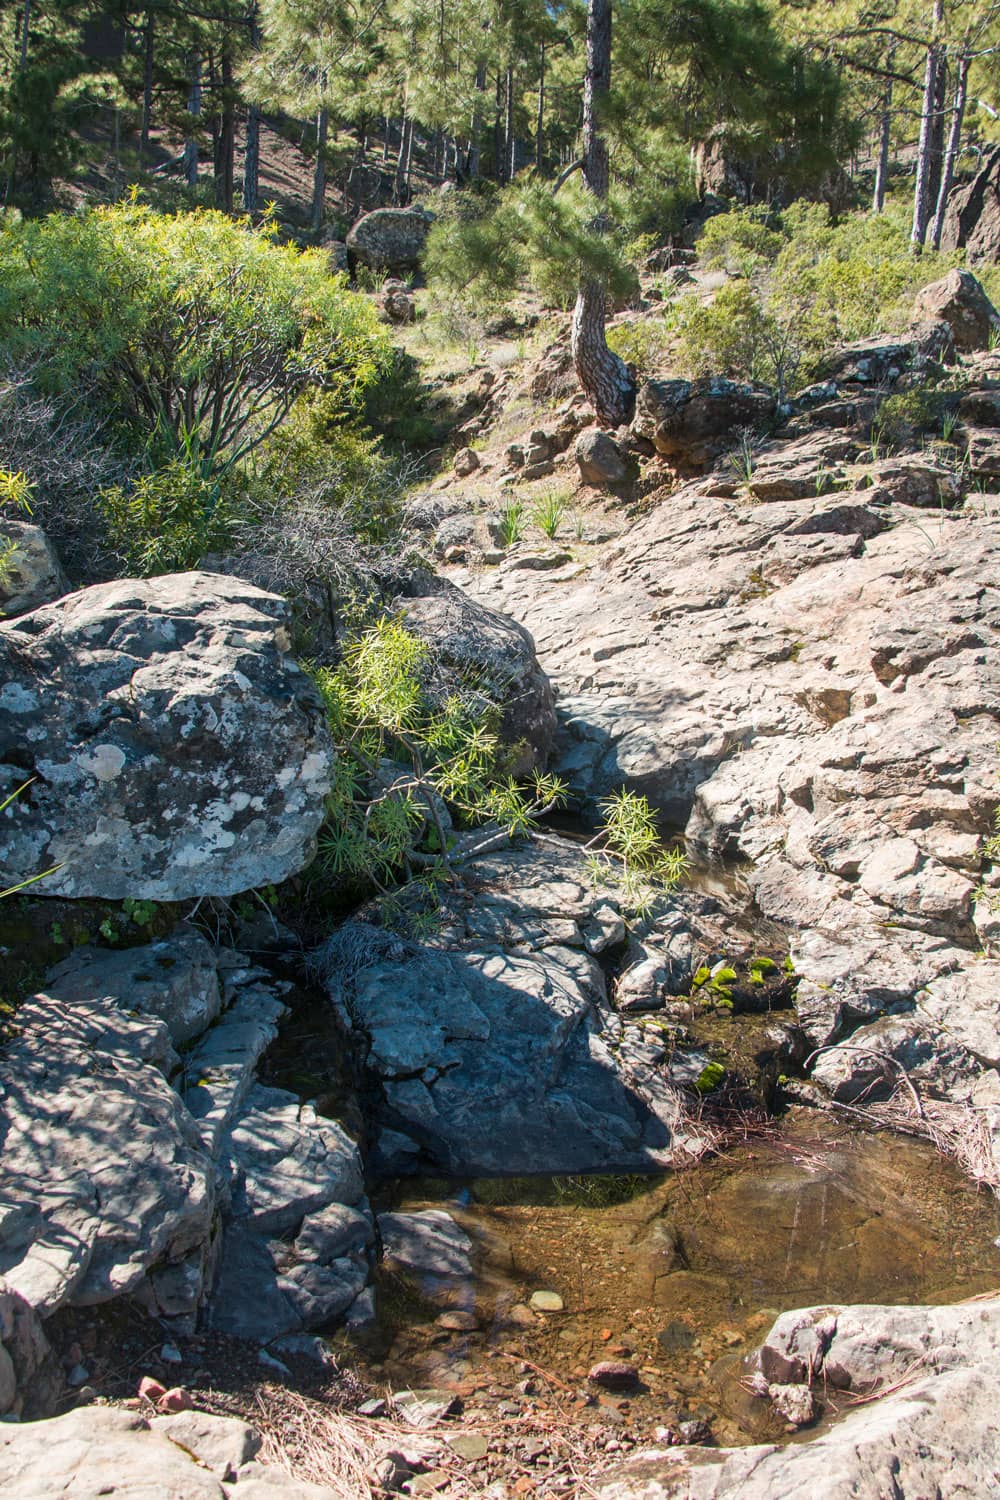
x=389 y=238
x=173 y=748
x=32 y=574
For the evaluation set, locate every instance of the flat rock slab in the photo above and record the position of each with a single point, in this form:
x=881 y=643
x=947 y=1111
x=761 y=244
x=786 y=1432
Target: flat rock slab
x=288 y=1162
x=175 y=748
x=175 y=979
x=100 y=1450
x=501 y=1054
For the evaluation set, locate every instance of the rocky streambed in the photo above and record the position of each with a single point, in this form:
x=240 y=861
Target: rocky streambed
x=247 y=1144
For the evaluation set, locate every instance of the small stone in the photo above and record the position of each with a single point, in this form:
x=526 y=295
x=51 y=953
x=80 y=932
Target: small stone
x=466 y=462
x=176 y=1399
x=614 y=1375
x=78 y=1375
x=694 y=1432
x=796 y=1403
x=457 y=1321
x=376 y=1407
x=430 y=1483
x=543 y=1301
x=171 y=1355
x=151 y=1389
x=471 y=1446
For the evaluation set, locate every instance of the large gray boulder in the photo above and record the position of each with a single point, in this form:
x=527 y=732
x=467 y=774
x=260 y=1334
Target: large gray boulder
x=389 y=238
x=175 y=749
x=933 y=1433
x=972 y=218
x=32 y=574
x=692 y=422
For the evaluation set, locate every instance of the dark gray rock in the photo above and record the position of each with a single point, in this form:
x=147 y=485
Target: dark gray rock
x=174 y=979
x=599 y=458
x=477 y=650
x=389 y=238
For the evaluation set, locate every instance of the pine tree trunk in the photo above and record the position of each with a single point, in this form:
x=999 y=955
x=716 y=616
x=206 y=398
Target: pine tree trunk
x=884 y=136
x=921 y=189
x=319 y=175
x=251 y=153
x=194 y=110
x=251 y=161
x=499 y=156
x=540 y=115
x=951 y=150
x=385 y=142
x=508 y=125
x=148 y=54
x=938 y=130
x=403 y=160
x=603 y=376
x=225 y=173
x=25 y=34
x=473 y=161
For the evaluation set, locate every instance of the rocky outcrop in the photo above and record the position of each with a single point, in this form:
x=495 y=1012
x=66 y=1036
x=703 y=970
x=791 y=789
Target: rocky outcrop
x=174 y=749
x=32 y=574
x=972 y=217
x=811 y=682
x=692 y=422
x=496 y=1051
x=490 y=659
x=959 y=300
x=104 y=1450
x=933 y=1432
x=389 y=239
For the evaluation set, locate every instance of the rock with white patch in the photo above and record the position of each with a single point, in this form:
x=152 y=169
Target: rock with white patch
x=174 y=749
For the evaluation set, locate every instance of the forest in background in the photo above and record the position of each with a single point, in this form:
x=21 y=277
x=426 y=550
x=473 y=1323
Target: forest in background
x=388 y=97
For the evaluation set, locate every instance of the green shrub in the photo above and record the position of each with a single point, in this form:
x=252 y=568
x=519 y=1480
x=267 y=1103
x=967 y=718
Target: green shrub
x=195 y=333
x=806 y=282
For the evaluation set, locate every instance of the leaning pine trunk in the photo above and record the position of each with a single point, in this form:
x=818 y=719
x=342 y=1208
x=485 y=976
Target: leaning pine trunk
x=603 y=376
x=951 y=150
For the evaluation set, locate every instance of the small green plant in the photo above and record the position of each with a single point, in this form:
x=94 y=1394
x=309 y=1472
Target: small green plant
x=141 y=913
x=714 y=985
x=512 y=516
x=409 y=766
x=949 y=421
x=548 y=513
x=710 y=1077
x=15 y=490
x=759 y=967
x=743 y=458
x=629 y=849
